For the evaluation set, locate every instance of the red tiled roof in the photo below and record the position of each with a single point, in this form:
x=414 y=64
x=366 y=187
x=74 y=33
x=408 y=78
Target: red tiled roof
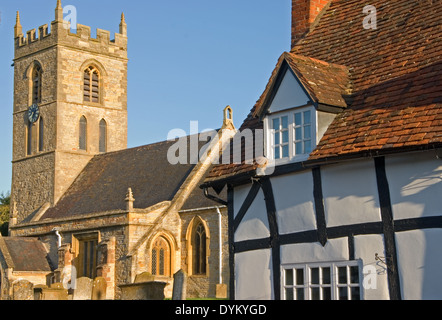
x=395 y=78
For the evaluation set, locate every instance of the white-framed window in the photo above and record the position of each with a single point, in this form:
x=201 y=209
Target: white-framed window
x=291 y=135
x=322 y=281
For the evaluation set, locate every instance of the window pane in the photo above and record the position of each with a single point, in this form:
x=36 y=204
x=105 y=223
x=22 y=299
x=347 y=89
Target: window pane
x=289 y=277
x=315 y=275
x=285 y=136
x=277 y=153
x=343 y=293
x=355 y=293
x=298 y=148
x=307 y=117
x=276 y=124
x=285 y=151
x=307 y=147
x=277 y=138
x=285 y=122
x=300 y=277
x=326 y=277
x=298 y=134
x=354 y=275
x=289 y=294
x=342 y=275
x=300 y=295
x=315 y=294
x=307 y=132
x=326 y=293
x=298 y=119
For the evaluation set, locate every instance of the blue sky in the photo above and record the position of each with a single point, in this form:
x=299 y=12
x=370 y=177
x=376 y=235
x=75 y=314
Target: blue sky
x=188 y=59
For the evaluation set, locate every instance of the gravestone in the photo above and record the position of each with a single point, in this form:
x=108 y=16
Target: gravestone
x=99 y=289
x=144 y=277
x=83 y=289
x=55 y=292
x=179 y=286
x=23 y=290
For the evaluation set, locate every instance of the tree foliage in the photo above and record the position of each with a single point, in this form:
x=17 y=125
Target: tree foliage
x=5 y=201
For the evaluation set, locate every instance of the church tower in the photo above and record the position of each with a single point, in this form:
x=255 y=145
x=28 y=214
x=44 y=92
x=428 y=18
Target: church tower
x=70 y=103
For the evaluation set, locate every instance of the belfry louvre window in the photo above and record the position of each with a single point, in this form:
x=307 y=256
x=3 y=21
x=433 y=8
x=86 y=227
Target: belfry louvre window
x=36 y=84
x=160 y=257
x=199 y=250
x=91 y=87
x=325 y=281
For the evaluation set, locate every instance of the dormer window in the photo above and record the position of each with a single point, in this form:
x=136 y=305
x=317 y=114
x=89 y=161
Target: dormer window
x=291 y=135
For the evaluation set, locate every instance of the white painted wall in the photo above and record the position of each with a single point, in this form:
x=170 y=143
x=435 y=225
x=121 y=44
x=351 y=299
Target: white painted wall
x=239 y=195
x=289 y=95
x=420 y=264
x=255 y=224
x=366 y=247
x=415 y=185
x=335 y=250
x=294 y=202
x=350 y=193
x=253 y=275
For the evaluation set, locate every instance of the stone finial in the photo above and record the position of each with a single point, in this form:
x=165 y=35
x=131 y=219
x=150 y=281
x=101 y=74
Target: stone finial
x=59 y=11
x=129 y=200
x=123 y=25
x=18 y=29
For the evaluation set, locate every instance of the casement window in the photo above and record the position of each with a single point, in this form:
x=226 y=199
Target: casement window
x=161 y=259
x=291 y=135
x=324 y=281
x=102 y=136
x=91 y=85
x=83 y=134
x=85 y=247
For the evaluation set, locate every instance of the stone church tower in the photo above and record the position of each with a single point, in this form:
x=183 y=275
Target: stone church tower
x=70 y=103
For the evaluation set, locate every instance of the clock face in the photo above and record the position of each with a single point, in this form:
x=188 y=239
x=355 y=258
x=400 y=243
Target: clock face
x=33 y=113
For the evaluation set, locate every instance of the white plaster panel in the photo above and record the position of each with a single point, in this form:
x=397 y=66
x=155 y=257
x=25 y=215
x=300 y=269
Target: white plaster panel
x=255 y=224
x=290 y=94
x=366 y=247
x=294 y=202
x=415 y=182
x=253 y=275
x=350 y=193
x=335 y=250
x=420 y=264
x=239 y=195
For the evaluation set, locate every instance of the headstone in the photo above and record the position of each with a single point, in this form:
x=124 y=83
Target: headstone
x=83 y=289
x=144 y=277
x=153 y=290
x=179 y=286
x=99 y=289
x=38 y=292
x=23 y=290
x=55 y=292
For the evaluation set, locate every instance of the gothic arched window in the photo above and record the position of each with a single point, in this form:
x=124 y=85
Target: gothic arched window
x=161 y=257
x=91 y=85
x=36 y=84
x=41 y=135
x=83 y=134
x=199 y=250
x=103 y=136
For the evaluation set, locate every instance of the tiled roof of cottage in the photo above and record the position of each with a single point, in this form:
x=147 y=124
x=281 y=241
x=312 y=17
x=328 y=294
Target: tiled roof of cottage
x=103 y=183
x=394 y=73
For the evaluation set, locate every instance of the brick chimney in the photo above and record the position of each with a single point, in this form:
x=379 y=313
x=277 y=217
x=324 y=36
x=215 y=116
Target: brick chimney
x=304 y=13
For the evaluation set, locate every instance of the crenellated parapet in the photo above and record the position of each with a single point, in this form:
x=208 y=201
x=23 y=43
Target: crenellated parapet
x=60 y=33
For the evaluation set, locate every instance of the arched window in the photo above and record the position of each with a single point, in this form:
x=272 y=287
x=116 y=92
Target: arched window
x=29 y=135
x=199 y=250
x=36 y=84
x=83 y=134
x=91 y=85
x=161 y=257
x=103 y=136
x=41 y=135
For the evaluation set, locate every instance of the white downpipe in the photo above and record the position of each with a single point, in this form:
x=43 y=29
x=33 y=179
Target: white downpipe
x=220 y=246
x=57 y=233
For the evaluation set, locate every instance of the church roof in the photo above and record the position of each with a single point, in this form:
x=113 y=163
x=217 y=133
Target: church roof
x=103 y=183
x=24 y=254
x=395 y=77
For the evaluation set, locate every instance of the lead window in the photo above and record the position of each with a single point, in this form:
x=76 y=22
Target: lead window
x=326 y=281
